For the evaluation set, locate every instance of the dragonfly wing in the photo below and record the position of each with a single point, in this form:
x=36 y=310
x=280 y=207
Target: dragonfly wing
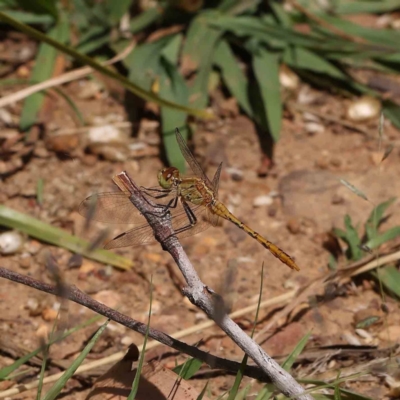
x=189 y=157
x=115 y=207
x=212 y=218
x=135 y=237
x=143 y=235
x=215 y=181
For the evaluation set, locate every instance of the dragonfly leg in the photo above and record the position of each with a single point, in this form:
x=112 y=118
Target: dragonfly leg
x=191 y=218
x=165 y=207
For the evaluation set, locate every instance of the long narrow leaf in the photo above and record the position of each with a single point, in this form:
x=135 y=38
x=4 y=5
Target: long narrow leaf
x=43 y=69
x=390 y=278
x=233 y=76
x=42 y=231
x=266 y=70
x=375 y=218
x=62 y=381
x=136 y=381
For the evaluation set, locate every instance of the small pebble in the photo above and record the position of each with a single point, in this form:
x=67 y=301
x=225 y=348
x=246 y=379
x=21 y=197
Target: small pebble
x=49 y=314
x=293 y=226
x=10 y=242
x=263 y=200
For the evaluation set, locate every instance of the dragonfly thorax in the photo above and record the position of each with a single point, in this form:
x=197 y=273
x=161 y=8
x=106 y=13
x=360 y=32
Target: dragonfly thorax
x=168 y=177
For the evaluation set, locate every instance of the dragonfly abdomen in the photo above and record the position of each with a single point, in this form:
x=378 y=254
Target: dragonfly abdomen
x=221 y=210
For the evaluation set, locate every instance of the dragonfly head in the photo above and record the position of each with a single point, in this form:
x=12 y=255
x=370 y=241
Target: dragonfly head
x=168 y=177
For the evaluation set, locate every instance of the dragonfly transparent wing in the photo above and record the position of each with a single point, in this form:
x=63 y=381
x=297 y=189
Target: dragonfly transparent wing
x=189 y=157
x=144 y=235
x=116 y=208
x=215 y=181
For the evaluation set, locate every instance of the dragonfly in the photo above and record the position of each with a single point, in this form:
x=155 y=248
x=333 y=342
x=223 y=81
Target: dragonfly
x=192 y=202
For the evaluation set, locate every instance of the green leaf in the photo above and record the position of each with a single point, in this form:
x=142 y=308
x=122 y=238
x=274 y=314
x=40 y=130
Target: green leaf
x=350 y=236
x=198 y=53
x=117 y=9
x=365 y=7
x=391 y=110
x=144 y=62
x=280 y=14
x=384 y=237
x=388 y=40
x=43 y=69
x=173 y=87
x=136 y=381
x=390 y=278
x=31 y=18
x=266 y=70
x=298 y=57
x=291 y=358
x=187 y=369
x=49 y=234
x=62 y=381
x=375 y=218
x=144 y=19
x=233 y=76
x=40 y=6
x=102 y=69
x=234 y=7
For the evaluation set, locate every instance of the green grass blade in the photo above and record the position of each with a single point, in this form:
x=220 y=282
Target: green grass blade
x=266 y=70
x=384 y=237
x=350 y=236
x=136 y=381
x=297 y=57
x=233 y=393
x=47 y=233
x=365 y=7
x=188 y=368
x=291 y=358
x=6 y=371
x=60 y=384
x=234 y=78
x=116 y=9
x=391 y=110
x=146 y=95
x=43 y=69
x=40 y=6
x=173 y=87
x=144 y=19
x=203 y=392
x=72 y=104
x=198 y=52
x=31 y=18
x=390 y=278
x=375 y=218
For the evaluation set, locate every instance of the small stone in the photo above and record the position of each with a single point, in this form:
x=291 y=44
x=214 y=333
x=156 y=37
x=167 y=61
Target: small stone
x=293 y=226
x=10 y=242
x=363 y=109
x=34 y=307
x=49 y=314
x=263 y=200
x=337 y=199
x=25 y=261
x=62 y=143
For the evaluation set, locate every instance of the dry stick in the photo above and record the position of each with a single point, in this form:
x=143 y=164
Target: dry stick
x=59 y=80
x=152 y=344
x=203 y=297
x=74 y=294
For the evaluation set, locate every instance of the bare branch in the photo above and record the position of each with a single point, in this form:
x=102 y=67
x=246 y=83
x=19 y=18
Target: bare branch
x=203 y=297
